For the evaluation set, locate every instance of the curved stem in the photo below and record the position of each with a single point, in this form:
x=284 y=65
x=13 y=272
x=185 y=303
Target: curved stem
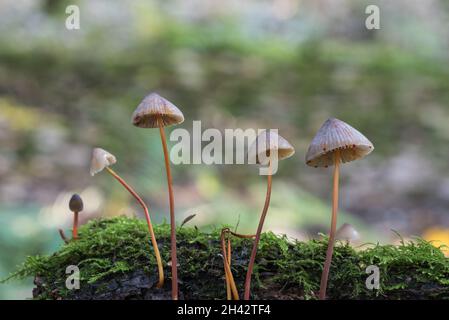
x=256 y=240
x=62 y=235
x=150 y=226
x=174 y=261
x=239 y=235
x=330 y=245
x=75 y=226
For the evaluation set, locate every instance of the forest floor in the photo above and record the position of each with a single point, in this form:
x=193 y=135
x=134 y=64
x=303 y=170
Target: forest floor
x=116 y=261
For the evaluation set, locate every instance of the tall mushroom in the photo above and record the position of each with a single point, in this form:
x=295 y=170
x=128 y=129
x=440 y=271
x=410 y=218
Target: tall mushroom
x=76 y=206
x=101 y=159
x=266 y=149
x=157 y=112
x=335 y=142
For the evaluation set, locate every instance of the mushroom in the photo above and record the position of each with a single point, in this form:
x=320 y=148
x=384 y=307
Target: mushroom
x=101 y=159
x=267 y=149
x=76 y=206
x=335 y=142
x=347 y=233
x=157 y=112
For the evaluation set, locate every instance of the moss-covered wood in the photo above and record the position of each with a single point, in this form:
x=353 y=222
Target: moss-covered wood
x=116 y=262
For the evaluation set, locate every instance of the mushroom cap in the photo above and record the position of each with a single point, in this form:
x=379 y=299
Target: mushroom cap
x=347 y=232
x=268 y=142
x=154 y=107
x=76 y=203
x=100 y=160
x=335 y=135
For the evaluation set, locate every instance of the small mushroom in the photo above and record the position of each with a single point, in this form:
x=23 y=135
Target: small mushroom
x=335 y=142
x=76 y=206
x=157 y=112
x=101 y=159
x=267 y=148
x=347 y=233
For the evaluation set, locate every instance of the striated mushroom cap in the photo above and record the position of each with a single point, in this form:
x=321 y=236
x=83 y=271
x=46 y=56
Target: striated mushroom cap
x=100 y=160
x=76 y=203
x=347 y=232
x=268 y=142
x=335 y=135
x=154 y=107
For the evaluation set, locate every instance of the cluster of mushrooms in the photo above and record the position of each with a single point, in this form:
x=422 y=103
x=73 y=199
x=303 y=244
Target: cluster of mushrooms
x=336 y=142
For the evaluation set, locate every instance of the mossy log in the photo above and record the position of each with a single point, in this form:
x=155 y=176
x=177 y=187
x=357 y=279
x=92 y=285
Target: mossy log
x=116 y=261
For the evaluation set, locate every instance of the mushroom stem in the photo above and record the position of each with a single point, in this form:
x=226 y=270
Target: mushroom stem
x=174 y=268
x=150 y=226
x=75 y=225
x=330 y=245
x=259 y=231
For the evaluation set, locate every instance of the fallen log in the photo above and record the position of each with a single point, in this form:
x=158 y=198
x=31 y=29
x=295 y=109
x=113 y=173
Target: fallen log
x=115 y=261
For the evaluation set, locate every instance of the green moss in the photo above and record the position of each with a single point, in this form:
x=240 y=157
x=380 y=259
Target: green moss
x=110 y=249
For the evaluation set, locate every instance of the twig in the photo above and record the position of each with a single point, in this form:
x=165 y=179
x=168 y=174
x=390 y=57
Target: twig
x=231 y=288
x=63 y=237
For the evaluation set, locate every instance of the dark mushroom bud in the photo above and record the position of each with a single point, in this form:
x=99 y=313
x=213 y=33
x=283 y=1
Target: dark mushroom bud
x=157 y=112
x=76 y=206
x=335 y=142
x=101 y=159
x=76 y=203
x=267 y=148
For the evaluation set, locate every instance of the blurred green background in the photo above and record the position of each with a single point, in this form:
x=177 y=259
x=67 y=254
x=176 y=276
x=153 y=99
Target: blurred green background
x=286 y=64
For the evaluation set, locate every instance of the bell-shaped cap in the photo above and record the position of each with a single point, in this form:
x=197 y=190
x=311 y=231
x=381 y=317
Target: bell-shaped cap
x=100 y=160
x=154 y=108
x=348 y=233
x=76 y=203
x=268 y=142
x=336 y=135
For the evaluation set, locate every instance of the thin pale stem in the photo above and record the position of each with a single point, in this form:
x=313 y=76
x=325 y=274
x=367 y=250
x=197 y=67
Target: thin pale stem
x=330 y=245
x=75 y=226
x=174 y=260
x=256 y=240
x=150 y=226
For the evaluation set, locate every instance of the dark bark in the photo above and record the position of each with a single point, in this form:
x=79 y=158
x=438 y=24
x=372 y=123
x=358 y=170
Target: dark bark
x=140 y=286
